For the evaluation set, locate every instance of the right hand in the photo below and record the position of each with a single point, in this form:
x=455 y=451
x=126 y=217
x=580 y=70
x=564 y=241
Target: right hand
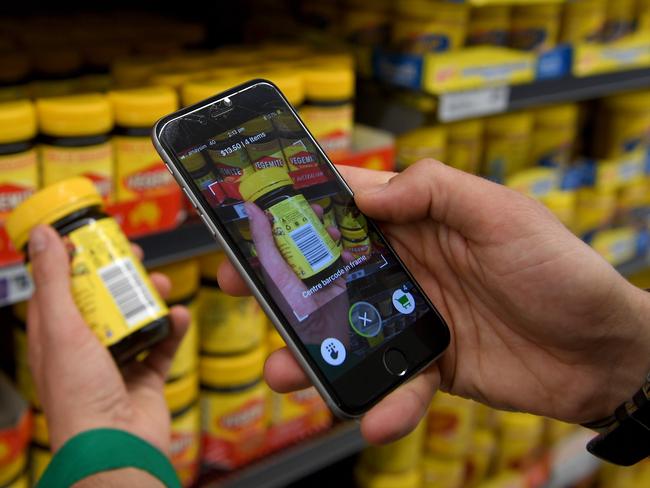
x=539 y=322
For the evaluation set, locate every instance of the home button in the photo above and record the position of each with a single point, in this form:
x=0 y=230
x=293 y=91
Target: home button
x=395 y=362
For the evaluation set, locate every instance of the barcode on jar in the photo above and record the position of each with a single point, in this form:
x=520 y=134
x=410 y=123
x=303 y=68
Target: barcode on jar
x=312 y=246
x=130 y=293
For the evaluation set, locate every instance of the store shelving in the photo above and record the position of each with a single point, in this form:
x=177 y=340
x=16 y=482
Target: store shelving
x=295 y=462
x=398 y=116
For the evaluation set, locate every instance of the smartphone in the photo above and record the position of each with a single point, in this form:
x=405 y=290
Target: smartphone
x=348 y=309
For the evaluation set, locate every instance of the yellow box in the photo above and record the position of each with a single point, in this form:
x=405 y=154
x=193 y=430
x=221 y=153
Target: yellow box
x=630 y=52
x=476 y=67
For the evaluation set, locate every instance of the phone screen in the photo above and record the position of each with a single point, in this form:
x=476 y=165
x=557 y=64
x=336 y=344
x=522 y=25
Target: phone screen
x=325 y=266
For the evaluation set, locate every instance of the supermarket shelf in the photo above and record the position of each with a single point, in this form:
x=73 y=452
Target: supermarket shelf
x=378 y=108
x=187 y=241
x=296 y=462
x=577 y=89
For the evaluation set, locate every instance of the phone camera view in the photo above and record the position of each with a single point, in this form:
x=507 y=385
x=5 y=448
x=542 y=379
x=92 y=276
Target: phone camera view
x=323 y=263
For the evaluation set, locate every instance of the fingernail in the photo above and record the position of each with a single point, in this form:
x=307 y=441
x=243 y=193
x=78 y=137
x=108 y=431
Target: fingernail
x=37 y=240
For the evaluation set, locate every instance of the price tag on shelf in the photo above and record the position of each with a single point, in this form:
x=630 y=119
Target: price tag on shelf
x=474 y=103
x=15 y=284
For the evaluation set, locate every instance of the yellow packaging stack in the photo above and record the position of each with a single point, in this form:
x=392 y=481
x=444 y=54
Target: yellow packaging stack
x=234 y=401
x=424 y=26
x=328 y=110
x=464 y=148
x=450 y=423
x=139 y=172
x=293 y=416
x=427 y=142
x=623 y=124
x=19 y=176
x=621 y=17
x=554 y=135
x=507 y=144
x=535 y=27
x=75 y=140
x=520 y=438
x=584 y=21
x=489 y=25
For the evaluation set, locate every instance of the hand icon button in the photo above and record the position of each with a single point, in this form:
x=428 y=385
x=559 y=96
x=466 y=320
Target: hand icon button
x=333 y=351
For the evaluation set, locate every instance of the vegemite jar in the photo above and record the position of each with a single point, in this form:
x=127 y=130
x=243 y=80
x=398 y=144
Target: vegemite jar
x=299 y=234
x=109 y=284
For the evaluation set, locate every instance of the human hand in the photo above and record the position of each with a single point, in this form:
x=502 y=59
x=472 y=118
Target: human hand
x=292 y=289
x=540 y=323
x=77 y=382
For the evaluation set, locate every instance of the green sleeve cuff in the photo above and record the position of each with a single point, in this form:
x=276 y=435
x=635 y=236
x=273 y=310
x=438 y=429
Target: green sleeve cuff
x=98 y=450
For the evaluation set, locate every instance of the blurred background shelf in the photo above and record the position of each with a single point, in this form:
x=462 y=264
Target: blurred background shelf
x=295 y=462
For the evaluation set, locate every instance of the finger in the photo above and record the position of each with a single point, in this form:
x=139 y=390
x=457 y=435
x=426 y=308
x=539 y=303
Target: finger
x=51 y=273
x=347 y=256
x=137 y=250
x=359 y=178
x=334 y=233
x=283 y=374
x=161 y=356
x=33 y=339
x=318 y=210
x=162 y=283
x=401 y=411
x=270 y=258
x=230 y=281
x=462 y=201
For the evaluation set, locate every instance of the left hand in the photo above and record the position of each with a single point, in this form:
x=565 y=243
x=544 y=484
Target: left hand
x=77 y=382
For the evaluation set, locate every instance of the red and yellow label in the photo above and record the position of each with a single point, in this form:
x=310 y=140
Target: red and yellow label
x=233 y=425
x=13 y=450
x=185 y=444
x=24 y=378
x=39 y=458
x=331 y=126
x=296 y=415
x=139 y=171
x=451 y=420
x=94 y=162
x=109 y=284
x=18 y=180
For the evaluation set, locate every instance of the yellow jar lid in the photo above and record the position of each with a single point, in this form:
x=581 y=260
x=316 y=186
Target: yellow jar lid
x=182 y=392
x=40 y=432
x=171 y=78
x=142 y=107
x=49 y=205
x=184 y=276
x=76 y=115
x=274 y=340
x=232 y=370
x=210 y=263
x=328 y=83
x=17 y=121
x=255 y=184
x=195 y=91
x=289 y=82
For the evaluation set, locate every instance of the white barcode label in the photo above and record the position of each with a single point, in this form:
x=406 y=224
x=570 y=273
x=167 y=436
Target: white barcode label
x=130 y=293
x=311 y=246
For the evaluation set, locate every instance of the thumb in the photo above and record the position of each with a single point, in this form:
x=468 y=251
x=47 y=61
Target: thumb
x=430 y=189
x=51 y=273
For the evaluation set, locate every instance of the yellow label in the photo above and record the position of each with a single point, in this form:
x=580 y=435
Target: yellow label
x=186 y=443
x=10 y=472
x=301 y=237
x=186 y=358
x=39 y=458
x=109 y=284
x=463 y=153
x=18 y=179
x=138 y=169
x=94 y=162
x=442 y=472
x=229 y=324
x=331 y=126
x=451 y=420
x=233 y=425
x=616 y=245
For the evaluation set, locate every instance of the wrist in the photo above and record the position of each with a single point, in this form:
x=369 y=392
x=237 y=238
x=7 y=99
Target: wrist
x=120 y=478
x=625 y=361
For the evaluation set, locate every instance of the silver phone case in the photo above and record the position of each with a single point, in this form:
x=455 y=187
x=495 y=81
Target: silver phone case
x=171 y=166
